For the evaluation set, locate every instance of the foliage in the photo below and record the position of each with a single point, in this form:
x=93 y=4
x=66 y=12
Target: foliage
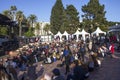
x=61 y=19
x=29 y=33
x=37 y=27
x=64 y=25
x=13 y=10
x=46 y=28
x=6 y=13
x=110 y=23
x=20 y=17
x=72 y=18
x=57 y=17
x=94 y=15
x=31 y=19
x=3 y=30
x=11 y=13
x=64 y=19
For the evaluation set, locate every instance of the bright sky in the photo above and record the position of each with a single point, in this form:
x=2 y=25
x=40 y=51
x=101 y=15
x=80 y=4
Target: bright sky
x=42 y=8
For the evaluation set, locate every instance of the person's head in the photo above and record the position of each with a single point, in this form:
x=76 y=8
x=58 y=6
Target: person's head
x=76 y=62
x=56 y=72
x=66 y=47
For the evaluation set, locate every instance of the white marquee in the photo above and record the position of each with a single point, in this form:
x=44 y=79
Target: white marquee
x=98 y=31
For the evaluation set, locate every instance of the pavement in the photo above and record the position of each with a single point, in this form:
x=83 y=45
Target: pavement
x=109 y=70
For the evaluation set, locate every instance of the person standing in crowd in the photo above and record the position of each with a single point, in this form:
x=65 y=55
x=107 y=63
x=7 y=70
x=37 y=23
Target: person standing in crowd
x=66 y=50
x=82 y=51
x=67 y=63
x=66 y=55
x=112 y=50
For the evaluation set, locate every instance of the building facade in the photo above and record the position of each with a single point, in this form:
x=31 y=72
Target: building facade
x=41 y=30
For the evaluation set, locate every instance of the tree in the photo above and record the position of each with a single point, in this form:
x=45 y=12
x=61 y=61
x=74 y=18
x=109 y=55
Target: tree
x=72 y=18
x=57 y=17
x=94 y=14
x=11 y=13
x=13 y=10
x=37 y=28
x=32 y=18
x=46 y=28
x=19 y=18
x=64 y=25
x=29 y=33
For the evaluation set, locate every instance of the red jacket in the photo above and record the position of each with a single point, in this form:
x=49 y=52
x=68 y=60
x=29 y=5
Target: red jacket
x=111 y=48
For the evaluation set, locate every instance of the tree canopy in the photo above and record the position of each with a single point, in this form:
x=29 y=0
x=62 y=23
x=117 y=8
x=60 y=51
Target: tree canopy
x=94 y=14
x=57 y=16
x=72 y=18
x=64 y=19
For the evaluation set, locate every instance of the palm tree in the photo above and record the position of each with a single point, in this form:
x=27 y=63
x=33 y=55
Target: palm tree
x=37 y=28
x=46 y=29
x=13 y=10
x=19 y=18
x=32 y=18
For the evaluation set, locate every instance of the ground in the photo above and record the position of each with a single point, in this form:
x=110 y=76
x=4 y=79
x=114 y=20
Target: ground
x=110 y=69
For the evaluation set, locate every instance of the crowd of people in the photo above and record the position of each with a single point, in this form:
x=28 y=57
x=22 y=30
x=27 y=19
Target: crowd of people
x=83 y=56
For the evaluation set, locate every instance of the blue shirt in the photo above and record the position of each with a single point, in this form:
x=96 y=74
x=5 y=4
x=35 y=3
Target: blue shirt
x=65 y=52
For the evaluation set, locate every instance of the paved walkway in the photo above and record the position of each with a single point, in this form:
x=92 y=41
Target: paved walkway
x=110 y=69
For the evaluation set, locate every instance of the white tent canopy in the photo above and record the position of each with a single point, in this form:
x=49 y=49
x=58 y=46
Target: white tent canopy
x=59 y=34
x=84 y=33
x=65 y=34
x=98 y=31
x=77 y=33
x=50 y=32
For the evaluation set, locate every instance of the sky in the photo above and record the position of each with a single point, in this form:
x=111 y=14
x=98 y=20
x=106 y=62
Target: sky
x=42 y=8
